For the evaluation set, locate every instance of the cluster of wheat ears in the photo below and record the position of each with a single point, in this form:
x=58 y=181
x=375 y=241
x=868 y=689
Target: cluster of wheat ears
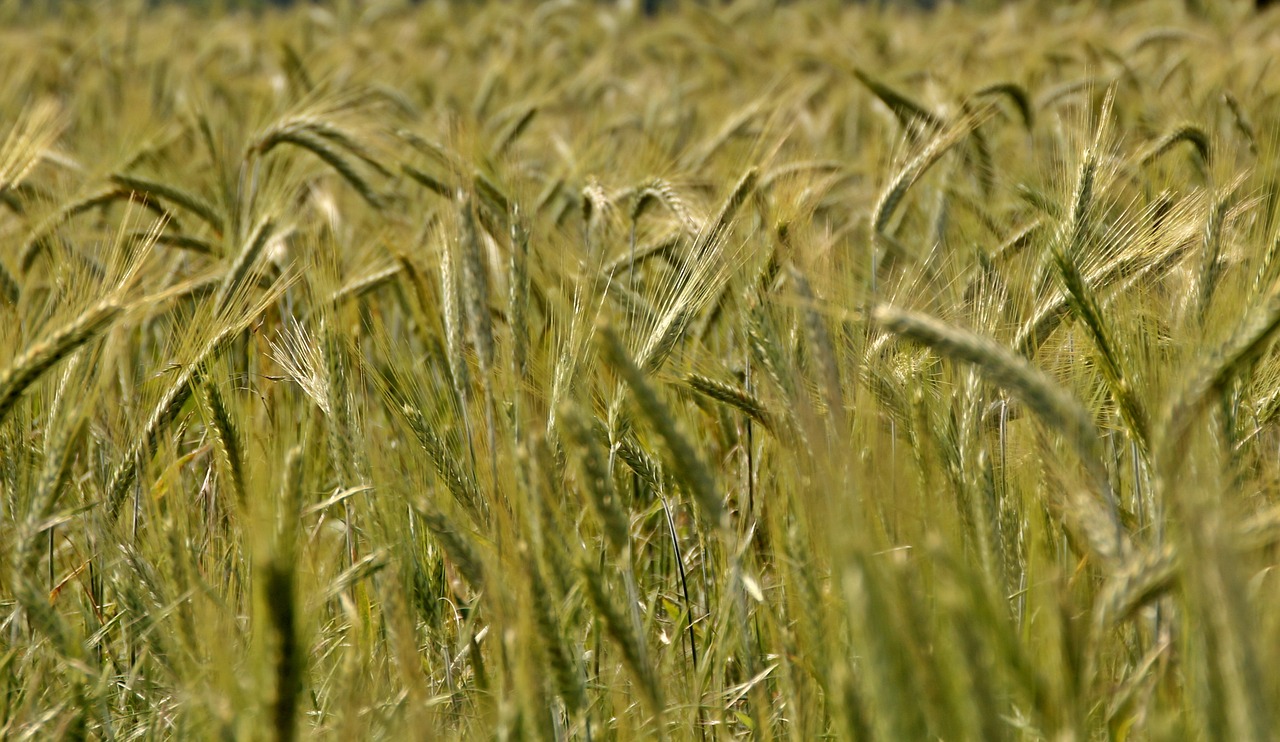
x=558 y=372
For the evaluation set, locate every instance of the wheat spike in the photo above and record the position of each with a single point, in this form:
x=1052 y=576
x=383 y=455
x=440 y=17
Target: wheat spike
x=690 y=469
x=44 y=354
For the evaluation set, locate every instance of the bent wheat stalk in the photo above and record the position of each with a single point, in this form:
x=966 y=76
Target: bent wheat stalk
x=1053 y=404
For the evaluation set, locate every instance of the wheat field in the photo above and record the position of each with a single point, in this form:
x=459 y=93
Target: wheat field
x=553 y=371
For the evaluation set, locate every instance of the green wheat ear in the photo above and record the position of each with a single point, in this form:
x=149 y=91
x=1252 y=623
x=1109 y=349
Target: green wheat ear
x=689 y=466
x=32 y=363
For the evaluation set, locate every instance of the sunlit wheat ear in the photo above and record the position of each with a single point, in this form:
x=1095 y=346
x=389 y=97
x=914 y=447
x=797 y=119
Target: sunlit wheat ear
x=32 y=363
x=298 y=353
x=733 y=396
x=1068 y=251
x=661 y=192
x=639 y=461
x=1128 y=268
x=1211 y=249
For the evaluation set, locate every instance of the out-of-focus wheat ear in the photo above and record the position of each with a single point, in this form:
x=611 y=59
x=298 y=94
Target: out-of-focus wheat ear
x=1016 y=242
x=61 y=444
x=1055 y=406
x=599 y=483
x=335 y=159
x=226 y=437
x=519 y=299
x=732 y=395
x=597 y=208
x=35 y=131
x=491 y=200
x=460 y=484
x=9 y=288
x=762 y=339
x=1143 y=578
x=164 y=192
x=512 y=131
x=1211 y=249
x=1039 y=200
x=1189 y=133
x=977 y=156
x=715 y=230
x=181 y=242
x=243 y=264
x=630 y=261
x=343 y=425
x=171 y=402
x=696 y=157
x=1243 y=124
x=475 y=281
x=442 y=155
x=456 y=544
x=28 y=367
x=429 y=182
x=1017 y=95
x=296 y=70
x=290 y=660
x=803 y=167
x=896 y=189
x=690 y=469
x=823 y=351
x=318 y=128
x=60 y=452
x=908 y=174
x=289 y=506
x=164 y=413
x=454 y=329
x=565 y=672
x=1236 y=357
x=619 y=630
x=915 y=118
